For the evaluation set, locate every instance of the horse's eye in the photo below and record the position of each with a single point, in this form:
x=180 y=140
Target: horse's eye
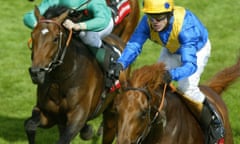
x=114 y=110
x=55 y=40
x=143 y=114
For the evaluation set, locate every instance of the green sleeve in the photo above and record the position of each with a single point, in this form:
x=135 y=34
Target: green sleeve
x=29 y=18
x=101 y=15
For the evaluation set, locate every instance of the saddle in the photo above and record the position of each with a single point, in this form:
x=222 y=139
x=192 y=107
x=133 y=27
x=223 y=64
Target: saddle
x=195 y=108
x=206 y=116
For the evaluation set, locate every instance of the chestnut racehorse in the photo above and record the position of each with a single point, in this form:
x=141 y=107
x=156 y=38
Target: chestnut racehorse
x=70 y=82
x=149 y=112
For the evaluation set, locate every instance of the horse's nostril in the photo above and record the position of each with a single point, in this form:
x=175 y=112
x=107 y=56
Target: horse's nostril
x=37 y=76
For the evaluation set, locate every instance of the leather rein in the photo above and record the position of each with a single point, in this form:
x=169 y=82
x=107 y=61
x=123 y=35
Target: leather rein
x=146 y=92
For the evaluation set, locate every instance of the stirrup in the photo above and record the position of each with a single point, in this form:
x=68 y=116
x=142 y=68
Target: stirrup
x=216 y=129
x=111 y=83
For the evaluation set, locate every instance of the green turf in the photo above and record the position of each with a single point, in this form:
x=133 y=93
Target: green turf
x=18 y=93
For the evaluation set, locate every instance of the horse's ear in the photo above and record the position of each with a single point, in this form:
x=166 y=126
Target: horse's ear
x=37 y=13
x=62 y=17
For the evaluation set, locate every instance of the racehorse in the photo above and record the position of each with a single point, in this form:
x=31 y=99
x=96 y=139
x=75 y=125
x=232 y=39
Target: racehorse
x=149 y=112
x=126 y=27
x=70 y=82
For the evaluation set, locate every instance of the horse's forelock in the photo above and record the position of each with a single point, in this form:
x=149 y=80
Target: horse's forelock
x=54 y=11
x=148 y=75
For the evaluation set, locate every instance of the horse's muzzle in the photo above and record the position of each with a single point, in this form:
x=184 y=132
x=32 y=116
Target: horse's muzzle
x=38 y=75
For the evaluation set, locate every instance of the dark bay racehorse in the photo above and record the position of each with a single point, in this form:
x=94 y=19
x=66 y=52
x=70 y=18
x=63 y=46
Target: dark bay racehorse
x=148 y=113
x=70 y=82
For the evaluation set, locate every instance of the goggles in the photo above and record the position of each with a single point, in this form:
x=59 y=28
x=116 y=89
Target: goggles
x=156 y=17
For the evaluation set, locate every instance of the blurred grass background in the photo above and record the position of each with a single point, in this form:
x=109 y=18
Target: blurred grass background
x=17 y=93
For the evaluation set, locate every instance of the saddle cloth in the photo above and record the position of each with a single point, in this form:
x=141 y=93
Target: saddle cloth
x=120 y=9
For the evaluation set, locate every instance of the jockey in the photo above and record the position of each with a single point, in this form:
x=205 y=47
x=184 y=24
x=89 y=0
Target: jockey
x=99 y=22
x=185 y=51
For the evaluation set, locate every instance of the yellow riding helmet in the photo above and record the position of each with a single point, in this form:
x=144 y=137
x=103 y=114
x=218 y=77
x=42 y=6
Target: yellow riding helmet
x=157 y=6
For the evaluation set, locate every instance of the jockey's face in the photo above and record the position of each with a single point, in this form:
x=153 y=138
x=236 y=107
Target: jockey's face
x=158 y=21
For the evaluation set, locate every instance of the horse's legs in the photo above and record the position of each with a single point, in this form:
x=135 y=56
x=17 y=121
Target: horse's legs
x=87 y=132
x=73 y=125
x=109 y=127
x=31 y=125
x=66 y=135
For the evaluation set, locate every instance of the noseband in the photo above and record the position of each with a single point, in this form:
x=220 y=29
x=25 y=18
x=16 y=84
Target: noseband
x=146 y=92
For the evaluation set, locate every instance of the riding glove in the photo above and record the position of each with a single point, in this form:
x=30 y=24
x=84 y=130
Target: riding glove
x=117 y=68
x=167 y=78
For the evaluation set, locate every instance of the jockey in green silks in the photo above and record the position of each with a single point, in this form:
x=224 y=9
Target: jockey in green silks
x=94 y=29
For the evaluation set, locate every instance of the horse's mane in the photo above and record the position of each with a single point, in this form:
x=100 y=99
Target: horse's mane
x=148 y=76
x=54 y=11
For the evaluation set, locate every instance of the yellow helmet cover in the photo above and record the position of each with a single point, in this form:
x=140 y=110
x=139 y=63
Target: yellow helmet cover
x=157 y=6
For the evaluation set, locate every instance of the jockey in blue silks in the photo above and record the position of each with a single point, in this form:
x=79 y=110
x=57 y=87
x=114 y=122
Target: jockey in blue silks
x=185 y=51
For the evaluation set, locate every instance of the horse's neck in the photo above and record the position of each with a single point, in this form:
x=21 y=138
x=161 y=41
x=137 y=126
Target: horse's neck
x=77 y=52
x=175 y=107
x=176 y=124
x=76 y=58
x=179 y=118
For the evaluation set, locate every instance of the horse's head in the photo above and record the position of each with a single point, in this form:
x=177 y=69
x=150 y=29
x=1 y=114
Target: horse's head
x=138 y=104
x=48 y=40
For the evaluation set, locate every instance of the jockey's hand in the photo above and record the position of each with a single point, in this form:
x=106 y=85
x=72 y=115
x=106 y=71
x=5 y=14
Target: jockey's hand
x=70 y=25
x=117 y=68
x=167 y=78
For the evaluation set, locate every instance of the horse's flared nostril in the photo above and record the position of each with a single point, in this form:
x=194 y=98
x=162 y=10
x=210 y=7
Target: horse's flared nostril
x=37 y=76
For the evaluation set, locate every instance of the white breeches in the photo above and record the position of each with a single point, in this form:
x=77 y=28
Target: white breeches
x=94 y=39
x=190 y=84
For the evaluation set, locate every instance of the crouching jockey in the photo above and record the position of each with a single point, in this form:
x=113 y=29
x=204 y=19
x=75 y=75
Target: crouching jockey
x=185 y=51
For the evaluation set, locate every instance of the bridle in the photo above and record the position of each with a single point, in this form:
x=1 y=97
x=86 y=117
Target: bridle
x=146 y=92
x=59 y=56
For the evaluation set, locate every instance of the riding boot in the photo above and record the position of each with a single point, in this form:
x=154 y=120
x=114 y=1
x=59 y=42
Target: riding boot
x=208 y=118
x=106 y=57
x=102 y=55
x=212 y=123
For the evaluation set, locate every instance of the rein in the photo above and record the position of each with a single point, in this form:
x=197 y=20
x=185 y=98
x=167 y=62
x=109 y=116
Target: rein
x=149 y=96
x=162 y=102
